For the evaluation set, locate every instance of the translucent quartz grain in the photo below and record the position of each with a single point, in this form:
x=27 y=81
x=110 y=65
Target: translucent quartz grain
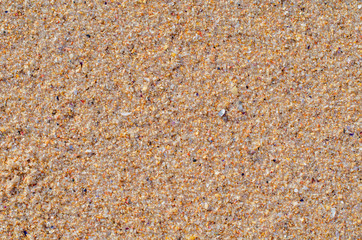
x=109 y=125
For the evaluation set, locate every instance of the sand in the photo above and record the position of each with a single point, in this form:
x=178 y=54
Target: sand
x=180 y=119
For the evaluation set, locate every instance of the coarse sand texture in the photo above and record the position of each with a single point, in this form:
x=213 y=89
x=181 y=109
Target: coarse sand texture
x=165 y=119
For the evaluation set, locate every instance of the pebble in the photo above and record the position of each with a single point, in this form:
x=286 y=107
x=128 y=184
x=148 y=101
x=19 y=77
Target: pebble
x=144 y=88
x=222 y=112
x=234 y=90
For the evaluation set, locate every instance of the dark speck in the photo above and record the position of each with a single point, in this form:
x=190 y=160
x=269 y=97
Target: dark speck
x=88 y=35
x=351 y=134
x=197 y=94
x=242 y=174
x=302 y=200
x=194 y=160
x=84 y=190
x=247 y=87
x=218 y=68
x=25 y=233
x=274 y=160
x=105 y=3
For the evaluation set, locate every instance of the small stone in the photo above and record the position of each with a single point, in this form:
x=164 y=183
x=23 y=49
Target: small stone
x=144 y=88
x=234 y=90
x=222 y=112
x=126 y=113
x=225 y=118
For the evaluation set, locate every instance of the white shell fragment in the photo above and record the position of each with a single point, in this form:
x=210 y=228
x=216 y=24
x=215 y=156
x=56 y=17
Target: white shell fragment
x=240 y=107
x=89 y=152
x=126 y=113
x=333 y=212
x=222 y=112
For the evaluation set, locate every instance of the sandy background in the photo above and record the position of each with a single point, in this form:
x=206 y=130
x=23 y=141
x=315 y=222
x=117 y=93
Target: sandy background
x=180 y=119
